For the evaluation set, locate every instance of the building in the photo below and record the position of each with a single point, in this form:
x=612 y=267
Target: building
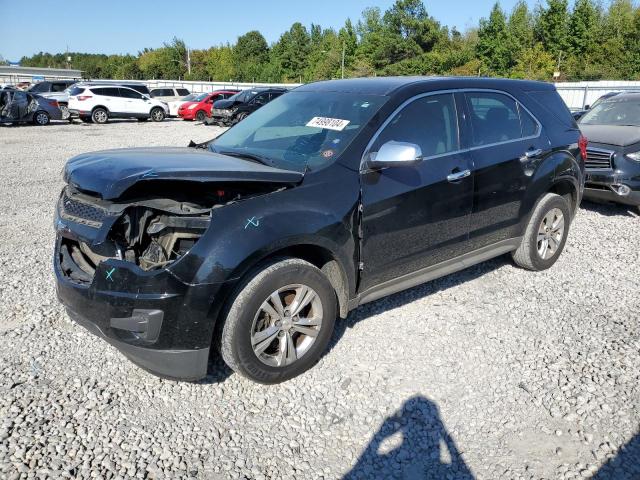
x=13 y=74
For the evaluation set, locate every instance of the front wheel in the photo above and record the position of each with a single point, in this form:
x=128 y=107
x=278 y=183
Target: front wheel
x=201 y=116
x=546 y=234
x=241 y=117
x=279 y=323
x=157 y=114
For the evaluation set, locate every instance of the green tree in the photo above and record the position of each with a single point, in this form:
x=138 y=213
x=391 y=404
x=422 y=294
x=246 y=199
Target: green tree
x=552 y=27
x=583 y=27
x=520 y=27
x=292 y=50
x=250 y=54
x=494 y=46
x=534 y=63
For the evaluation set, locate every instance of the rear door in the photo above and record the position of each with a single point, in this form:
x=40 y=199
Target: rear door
x=507 y=143
x=134 y=102
x=110 y=98
x=415 y=217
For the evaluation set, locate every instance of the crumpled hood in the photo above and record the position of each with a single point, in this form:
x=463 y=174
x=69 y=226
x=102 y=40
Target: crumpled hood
x=611 y=134
x=109 y=173
x=222 y=104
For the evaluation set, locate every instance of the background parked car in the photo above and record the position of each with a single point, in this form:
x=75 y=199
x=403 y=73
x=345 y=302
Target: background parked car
x=100 y=102
x=17 y=106
x=613 y=155
x=200 y=108
x=168 y=94
x=175 y=105
x=56 y=90
x=237 y=108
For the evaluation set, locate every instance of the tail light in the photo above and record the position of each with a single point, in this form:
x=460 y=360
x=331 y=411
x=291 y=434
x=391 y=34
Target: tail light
x=582 y=144
x=54 y=103
x=84 y=97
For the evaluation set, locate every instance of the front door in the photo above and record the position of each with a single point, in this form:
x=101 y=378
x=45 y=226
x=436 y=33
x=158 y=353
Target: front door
x=134 y=102
x=415 y=217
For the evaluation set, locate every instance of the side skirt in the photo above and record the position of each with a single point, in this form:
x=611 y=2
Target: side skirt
x=432 y=272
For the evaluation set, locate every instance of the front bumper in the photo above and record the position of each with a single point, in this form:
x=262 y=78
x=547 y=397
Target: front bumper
x=604 y=185
x=158 y=321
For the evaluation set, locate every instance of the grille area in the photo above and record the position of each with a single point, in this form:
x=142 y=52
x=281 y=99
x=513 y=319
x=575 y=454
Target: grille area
x=599 y=159
x=81 y=212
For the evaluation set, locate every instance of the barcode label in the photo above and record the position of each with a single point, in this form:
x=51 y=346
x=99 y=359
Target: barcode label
x=328 y=123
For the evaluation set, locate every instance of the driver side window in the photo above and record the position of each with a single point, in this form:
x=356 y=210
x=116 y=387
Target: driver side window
x=429 y=122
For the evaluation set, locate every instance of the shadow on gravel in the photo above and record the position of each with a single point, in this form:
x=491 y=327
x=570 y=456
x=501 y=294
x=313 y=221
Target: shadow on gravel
x=217 y=371
x=609 y=209
x=412 y=444
x=625 y=465
x=405 y=297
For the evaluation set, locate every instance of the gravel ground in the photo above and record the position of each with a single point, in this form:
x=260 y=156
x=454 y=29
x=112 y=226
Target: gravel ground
x=494 y=372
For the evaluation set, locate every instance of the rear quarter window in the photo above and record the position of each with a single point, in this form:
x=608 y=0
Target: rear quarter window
x=76 y=91
x=182 y=91
x=551 y=101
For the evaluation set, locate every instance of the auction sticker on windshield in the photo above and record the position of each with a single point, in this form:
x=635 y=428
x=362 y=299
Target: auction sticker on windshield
x=329 y=123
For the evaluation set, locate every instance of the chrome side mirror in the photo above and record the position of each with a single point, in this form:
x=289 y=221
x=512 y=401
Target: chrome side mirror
x=395 y=154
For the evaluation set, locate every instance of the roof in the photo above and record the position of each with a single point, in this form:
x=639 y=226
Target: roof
x=36 y=71
x=622 y=97
x=388 y=85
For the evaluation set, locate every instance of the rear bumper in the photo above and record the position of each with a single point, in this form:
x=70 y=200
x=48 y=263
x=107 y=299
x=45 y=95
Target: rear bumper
x=608 y=185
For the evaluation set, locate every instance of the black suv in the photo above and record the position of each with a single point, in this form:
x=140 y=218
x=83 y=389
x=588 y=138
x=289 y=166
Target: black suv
x=241 y=105
x=335 y=194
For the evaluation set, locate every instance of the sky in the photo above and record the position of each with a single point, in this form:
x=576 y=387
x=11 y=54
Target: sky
x=118 y=26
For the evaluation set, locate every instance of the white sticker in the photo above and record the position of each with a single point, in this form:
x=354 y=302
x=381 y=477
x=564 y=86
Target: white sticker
x=329 y=123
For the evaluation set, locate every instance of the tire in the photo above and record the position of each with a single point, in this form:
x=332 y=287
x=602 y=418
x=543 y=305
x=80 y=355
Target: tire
x=261 y=360
x=241 y=117
x=41 y=118
x=64 y=109
x=100 y=115
x=549 y=225
x=201 y=116
x=157 y=114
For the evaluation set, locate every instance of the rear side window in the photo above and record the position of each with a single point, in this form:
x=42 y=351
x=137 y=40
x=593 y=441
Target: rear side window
x=529 y=125
x=58 y=87
x=128 y=93
x=40 y=88
x=182 y=91
x=552 y=102
x=99 y=91
x=494 y=118
x=162 y=92
x=140 y=88
x=429 y=122
x=76 y=91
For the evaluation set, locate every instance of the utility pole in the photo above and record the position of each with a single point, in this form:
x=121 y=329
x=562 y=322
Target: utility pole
x=189 y=60
x=344 y=51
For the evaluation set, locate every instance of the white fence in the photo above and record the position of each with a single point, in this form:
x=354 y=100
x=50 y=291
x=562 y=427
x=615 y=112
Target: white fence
x=577 y=95
x=201 y=87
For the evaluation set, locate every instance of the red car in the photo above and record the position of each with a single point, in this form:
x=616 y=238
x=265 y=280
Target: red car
x=200 y=107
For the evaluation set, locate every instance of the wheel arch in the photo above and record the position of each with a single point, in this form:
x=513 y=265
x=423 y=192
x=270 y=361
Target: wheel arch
x=102 y=107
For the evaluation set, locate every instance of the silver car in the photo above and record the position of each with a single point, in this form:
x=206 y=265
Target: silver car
x=22 y=107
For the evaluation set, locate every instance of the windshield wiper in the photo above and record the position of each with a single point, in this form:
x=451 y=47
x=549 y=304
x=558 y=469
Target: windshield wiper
x=247 y=156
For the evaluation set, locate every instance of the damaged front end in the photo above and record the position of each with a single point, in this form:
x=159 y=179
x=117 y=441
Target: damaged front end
x=148 y=232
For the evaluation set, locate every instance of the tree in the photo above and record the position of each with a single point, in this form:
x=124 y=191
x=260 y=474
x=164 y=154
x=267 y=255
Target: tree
x=494 y=46
x=552 y=27
x=250 y=54
x=534 y=63
x=292 y=50
x=520 y=28
x=583 y=26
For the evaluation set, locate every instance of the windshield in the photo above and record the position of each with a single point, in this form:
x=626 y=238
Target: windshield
x=301 y=129
x=200 y=97
x=190 y=97
x=243 y=96
x=620 y=111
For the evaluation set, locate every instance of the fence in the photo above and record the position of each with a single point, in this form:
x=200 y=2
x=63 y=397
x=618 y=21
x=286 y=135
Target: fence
x=577 y=95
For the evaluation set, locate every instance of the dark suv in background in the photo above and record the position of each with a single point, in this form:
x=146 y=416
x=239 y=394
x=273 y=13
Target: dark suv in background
x=237 y=108
x=333 y=195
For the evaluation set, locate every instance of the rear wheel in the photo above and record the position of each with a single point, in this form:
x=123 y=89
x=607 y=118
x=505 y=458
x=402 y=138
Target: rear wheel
x=546 y=234
x=241 y=117
x=64 y=109
x=41 y=118
x=157 y=114
x=100 y=115
x=280 y=322
x=201 y=116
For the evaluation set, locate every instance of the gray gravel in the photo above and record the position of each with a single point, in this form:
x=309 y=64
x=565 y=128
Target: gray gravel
x=494 y=372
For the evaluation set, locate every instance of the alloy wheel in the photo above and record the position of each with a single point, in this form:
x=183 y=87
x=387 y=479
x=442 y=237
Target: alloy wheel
x=550 y=233
x=42 y=118
x=100 y=116
x=286 y=325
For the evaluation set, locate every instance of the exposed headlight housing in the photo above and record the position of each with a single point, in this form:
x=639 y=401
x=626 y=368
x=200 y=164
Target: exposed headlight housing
x=635 y=156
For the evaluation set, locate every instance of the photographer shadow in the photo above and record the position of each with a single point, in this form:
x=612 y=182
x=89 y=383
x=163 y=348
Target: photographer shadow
x=412 y=444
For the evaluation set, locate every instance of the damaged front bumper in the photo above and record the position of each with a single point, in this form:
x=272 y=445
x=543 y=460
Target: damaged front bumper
x=612 y=186
x=158 y=320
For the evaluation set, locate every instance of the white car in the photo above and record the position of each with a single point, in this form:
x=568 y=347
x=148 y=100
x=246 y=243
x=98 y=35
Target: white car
x=169 y=94
x=176 y=104
x=99 y=103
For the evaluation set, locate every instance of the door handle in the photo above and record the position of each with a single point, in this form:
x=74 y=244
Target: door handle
x=459 y=175
x=533 y=153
